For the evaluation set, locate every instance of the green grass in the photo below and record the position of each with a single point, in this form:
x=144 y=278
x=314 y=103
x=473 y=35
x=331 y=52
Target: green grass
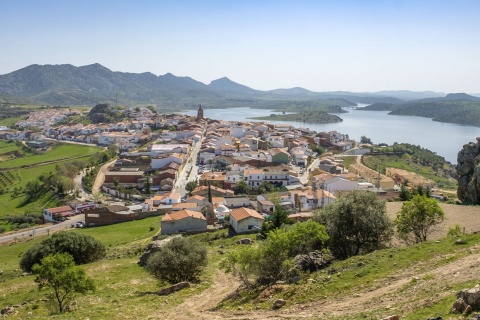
x=406 y=162
x=363 y=273
x=124 y=289
x=57 y=152
x=348 y=161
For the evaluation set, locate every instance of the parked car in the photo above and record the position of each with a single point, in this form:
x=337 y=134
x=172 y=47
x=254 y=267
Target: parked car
x=80 y=224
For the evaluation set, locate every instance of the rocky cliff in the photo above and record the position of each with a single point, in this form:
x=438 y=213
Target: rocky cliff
x=468 y=173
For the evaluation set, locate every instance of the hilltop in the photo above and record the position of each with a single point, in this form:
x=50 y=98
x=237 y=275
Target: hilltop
x=66 y=84
x=459 y=108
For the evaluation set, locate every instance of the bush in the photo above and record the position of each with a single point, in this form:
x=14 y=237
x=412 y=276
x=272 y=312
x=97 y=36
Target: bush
x=418 y=218
x=181 y=259
x=357 y=223
x=83 y=249
x=273 y=259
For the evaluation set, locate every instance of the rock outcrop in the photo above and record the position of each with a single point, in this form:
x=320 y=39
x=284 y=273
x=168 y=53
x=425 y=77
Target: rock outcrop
x=152 y=248
x=468 y=173
x=467 y=300
x=176 y=287
x=312 y=261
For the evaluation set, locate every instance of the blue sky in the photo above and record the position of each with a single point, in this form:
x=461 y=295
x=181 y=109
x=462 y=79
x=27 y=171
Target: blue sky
x=319 y=45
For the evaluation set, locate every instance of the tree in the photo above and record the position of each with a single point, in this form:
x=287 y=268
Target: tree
x=148 y=185
x=242 y=188
x=181 y=259
x=83 y=248
x=417 y=218
x=59 y=273
x=276 y=220
x=191 y=185
x=273 y=259
x=357 y=223
x=404 y=194
x=365 y=140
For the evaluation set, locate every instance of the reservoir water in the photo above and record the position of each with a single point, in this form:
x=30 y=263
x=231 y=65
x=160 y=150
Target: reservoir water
x=445 y=139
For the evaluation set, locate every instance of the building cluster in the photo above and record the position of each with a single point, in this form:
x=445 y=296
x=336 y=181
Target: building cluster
x=254 y=154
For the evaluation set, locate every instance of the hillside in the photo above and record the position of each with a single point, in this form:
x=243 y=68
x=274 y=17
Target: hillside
x=459 y=108
x=87 y=85
x=391 y=281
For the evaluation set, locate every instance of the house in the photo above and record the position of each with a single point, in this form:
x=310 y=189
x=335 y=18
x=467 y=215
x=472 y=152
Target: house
x=183 y=221
x=265 y=206
x=244 y=220
x=237 y=202
x=280 y=156
x=56 y=214
x=215 y=191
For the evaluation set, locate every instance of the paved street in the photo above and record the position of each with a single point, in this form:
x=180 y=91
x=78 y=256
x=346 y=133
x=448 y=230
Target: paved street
x=42 y=230
x=182 y=178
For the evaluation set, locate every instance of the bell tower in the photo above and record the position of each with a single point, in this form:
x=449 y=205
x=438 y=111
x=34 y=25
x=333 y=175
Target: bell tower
x=199 y=113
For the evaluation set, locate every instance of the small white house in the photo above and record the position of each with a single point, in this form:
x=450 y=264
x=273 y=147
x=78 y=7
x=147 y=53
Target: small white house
x=245 y=220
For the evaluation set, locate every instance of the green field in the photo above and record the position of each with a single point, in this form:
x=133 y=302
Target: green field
x=56 y=152
x=18 y=178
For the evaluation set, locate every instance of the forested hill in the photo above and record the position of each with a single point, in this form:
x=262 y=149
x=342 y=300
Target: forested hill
x=88 y=85
x=456 y=108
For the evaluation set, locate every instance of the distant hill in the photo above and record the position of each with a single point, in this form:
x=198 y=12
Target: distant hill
x=459 y=108
x=88 y=85
x=226 y=85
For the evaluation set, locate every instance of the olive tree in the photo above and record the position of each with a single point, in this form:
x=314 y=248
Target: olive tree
x=181 y=259
x=417 y=218
x=83 y=248
x=357 y=223
x=59 y=273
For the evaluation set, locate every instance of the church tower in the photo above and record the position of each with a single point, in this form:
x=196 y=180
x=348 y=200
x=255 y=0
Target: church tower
x=199 y=113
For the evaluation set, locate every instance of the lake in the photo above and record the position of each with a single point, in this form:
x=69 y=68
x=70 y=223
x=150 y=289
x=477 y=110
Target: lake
x=445 y=139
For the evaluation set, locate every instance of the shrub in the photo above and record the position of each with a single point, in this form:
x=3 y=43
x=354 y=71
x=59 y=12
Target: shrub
x=83 y=248
x=273 y=259
x=181 y=259
x=357 y=223
x=418 y=218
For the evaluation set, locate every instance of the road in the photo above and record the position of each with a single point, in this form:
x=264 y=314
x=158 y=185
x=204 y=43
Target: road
x=101 y=176
x=191 y=163
x=41 y=230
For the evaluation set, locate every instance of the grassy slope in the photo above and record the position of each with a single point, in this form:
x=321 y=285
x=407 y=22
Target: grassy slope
x=123 y=288
x=57 y=152
x=379 y=162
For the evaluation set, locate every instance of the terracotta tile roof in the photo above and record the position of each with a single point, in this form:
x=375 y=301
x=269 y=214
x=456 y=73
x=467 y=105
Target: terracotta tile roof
x=182 y=214
x=185 y=205
x=59 y=209
x=244 y=213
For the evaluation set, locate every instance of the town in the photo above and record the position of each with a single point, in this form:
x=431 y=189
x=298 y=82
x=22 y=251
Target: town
x=199 y=173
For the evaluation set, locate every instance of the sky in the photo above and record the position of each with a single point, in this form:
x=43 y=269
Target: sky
x=356 y=45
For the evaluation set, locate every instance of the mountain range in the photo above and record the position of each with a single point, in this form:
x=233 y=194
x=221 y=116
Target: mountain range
x=87 y=85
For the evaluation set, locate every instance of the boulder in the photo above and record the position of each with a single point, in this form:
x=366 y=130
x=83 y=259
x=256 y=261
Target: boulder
x=394 y=317
x=152 y=248
x=312 y=261
x=8 y=311
x=468 y=173
x=278 y=303
x=467 y=299
x=176 y=287
x=245 y=241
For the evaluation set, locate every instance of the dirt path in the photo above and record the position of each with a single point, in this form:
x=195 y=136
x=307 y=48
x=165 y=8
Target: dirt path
x=414 y=287
x=198 y=306
x=101 y=176
x=400 y=293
